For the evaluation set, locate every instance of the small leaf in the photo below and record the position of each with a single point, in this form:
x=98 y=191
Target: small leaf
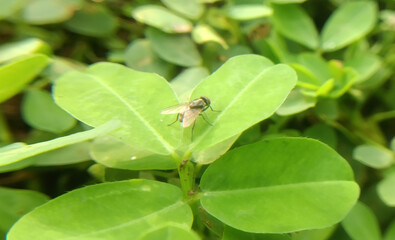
x=111 y=91
x=40 y=111
x=185 y=82
x=14 y=203
x=140 y=56
x=192 y=9
x=317 y=65
x=365 y=65
x=244 y=12
x=296 y=102
x=390 y=233
x=93 y=21
x=131 y=208
x=246 y=89
x=203 y=33
x=323 y=133
x=170 y=231
x=174 y=48
x=9 y=7
x=386 y=191
x=373 y=156
x=350 y=22
x=361 y=223
x=49 y=11
x=160 y=17
x=278 y=186
x=11 y=156
x=294 y=23
x=14 y=76
x=27 y=46
x=234 y=234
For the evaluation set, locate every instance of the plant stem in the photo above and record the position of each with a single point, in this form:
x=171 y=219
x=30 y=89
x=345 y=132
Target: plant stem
x=186 y=171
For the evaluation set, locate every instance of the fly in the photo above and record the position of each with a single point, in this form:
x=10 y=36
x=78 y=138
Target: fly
x=188 y=112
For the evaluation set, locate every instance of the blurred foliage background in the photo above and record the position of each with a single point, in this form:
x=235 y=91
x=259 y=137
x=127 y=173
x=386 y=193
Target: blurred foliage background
x=342 y=51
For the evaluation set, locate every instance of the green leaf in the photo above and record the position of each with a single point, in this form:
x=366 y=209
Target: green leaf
x=27 y=46
x=71 y=154
x=49 y=11
x=279 y=185
x=373 y=156
x=317 y=65
x=174 y=48
x=115 y=210
x=390 y=233
x=140 y=56
x=315 y=234
x=93 y=21
x=160 y=17
x=114 y=153
x=361 y=223
x=211 y=154
x=244 y=12
x=203 y=33
x=184 y=82
x=9 y=7
x=15 y=75
x=234 y=234
x=286 y=1
x=294 y=23
x=246 y=89
x=111 y=91
x=40 y=111
x=170 y=231
x=323 y=133
x=296 y=102
x=365 y=65
x=16 y=203
x=386 y=191
x=11 y=155
x=350 y=22
x=192 y=9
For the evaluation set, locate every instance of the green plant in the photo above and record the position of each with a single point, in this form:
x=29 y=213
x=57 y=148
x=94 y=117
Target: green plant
x=238 y=177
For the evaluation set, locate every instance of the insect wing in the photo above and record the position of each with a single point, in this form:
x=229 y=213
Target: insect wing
x=190 y=116
x=181 y=108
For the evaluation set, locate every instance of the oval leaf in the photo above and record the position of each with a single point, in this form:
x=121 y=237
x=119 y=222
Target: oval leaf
x=248 y=11
x=175 y=48
x=14 y=76
x=170 y=231
x=350 y=22
x=191 y=8
x=246 y=89
x=130 y=208
x=15 y=203
x=386 y=190
x=361 y=223
x=373 y=156
x=93 y=20
x=279 y=185
x=40 y=111
x=160 y=17
x=294 y=23
x=111 y=91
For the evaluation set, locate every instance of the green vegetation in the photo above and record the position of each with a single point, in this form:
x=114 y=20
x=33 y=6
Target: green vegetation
x=297 y=142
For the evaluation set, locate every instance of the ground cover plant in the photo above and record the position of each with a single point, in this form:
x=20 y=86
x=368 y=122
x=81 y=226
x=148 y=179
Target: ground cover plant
x=293 y=137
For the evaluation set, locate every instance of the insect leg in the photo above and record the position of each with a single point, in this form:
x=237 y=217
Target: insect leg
x=178 y=115
x=213 y=109
x=193 y=127
x=206 y=119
